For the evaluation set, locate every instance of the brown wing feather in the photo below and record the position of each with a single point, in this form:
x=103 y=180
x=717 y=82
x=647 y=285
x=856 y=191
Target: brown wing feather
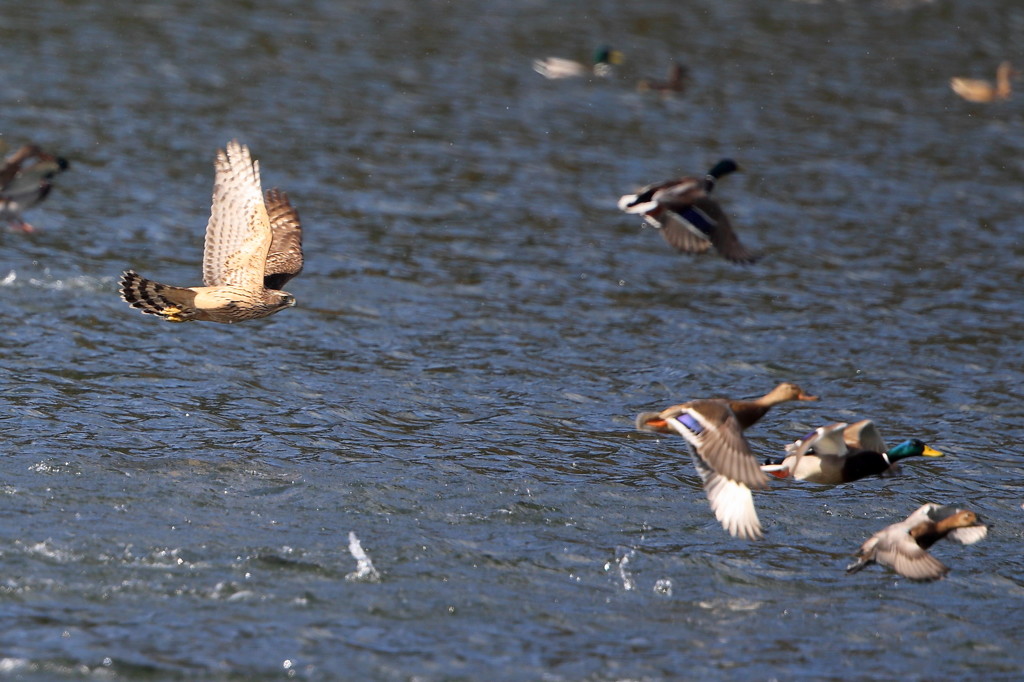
x=12 y=164
x=723 y=237
x=722 y=445
x=680 y=237
x=864 y=435
x=907 y=559
x=677 y=189
x=284 y=260
x=238 y=234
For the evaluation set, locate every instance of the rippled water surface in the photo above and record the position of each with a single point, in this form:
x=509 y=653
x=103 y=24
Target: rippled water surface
x=478 y=324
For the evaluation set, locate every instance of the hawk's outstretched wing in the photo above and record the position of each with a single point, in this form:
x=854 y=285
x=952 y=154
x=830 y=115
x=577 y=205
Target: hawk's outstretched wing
x=238 y=235
x=284 y=260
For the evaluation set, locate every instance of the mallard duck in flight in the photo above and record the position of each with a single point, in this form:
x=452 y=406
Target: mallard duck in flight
x=714 y=430
x=841 y=453
x=903 y=546
x=686 y=215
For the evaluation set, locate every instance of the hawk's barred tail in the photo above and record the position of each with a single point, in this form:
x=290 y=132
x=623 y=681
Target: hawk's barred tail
x=170 y=303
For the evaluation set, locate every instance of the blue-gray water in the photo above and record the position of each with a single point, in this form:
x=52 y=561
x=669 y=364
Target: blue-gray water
x=478 y=324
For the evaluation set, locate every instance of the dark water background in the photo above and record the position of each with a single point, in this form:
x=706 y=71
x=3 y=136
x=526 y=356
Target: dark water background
x=477 y=326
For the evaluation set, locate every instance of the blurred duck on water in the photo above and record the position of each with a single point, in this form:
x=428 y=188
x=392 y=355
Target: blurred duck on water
x=557 y=67
x=676 y=82
x=979 y=90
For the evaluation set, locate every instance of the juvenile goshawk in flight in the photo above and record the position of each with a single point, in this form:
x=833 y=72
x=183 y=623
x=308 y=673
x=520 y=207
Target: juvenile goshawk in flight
x=253 y=247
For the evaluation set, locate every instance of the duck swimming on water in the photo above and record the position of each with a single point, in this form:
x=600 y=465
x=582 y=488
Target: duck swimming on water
x=556 y=67
x=677 y=80
x=979 y=90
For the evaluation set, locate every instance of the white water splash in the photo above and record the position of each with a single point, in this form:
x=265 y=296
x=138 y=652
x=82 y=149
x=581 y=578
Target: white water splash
x=365 y=572
x=9 y=279
x=622 y=557
x=82 y=283
x=10 y=665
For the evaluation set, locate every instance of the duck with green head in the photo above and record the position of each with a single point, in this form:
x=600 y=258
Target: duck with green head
x=841 y=453
x=557 y=67
x=686 y=215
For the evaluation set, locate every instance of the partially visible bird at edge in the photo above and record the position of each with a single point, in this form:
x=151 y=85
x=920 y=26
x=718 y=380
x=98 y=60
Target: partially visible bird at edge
x=26 y=178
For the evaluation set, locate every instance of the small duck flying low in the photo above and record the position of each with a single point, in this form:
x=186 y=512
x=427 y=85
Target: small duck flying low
x=904 y=546
x=841 y=453
x=686 y=215
x=714 y=430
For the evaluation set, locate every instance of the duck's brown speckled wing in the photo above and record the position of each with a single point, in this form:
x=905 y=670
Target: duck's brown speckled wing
x=898 y=550
x=725 y=464
x=716 y=436
x=650 y=199
x=864 y=435
x=13 y=163
x=824 y=440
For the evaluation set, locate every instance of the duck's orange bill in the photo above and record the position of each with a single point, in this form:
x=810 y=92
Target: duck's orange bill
x=804 y=396
x=657 y=424
x=781 y=473
x=929 y=451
